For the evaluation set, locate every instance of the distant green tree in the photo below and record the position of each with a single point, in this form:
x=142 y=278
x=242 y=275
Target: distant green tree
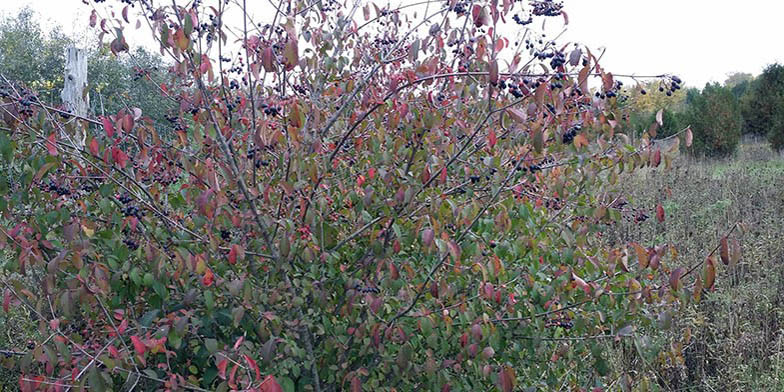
x=30 y=56
x=763 y=106
x=739 y=83
x=715 y=119
x=37 y=59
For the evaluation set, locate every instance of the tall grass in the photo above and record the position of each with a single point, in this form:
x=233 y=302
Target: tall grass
x=737 y=340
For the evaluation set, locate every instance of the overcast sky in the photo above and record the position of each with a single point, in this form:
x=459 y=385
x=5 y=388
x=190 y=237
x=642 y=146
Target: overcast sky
x=699 y=40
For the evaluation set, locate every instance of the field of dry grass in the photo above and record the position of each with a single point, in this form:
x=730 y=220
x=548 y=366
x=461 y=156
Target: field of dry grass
x=737 y=331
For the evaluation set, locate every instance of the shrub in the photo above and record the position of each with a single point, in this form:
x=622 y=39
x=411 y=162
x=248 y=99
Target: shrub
x=763 y=106
x=348 y=204
x=714 y=116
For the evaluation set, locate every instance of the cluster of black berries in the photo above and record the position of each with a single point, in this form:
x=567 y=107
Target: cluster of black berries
x=564 y=323
x=131 y=243
x=270 y=110
x=366 y=289
x=381 y=42
x=176 y=122
x=613 y=92
x=674 y=85
x=124 y=198
x=636 y=215
x=557 y=60
x=522 y=22
x=233 y=85
x=133 y=211
x=139 y=73
x=225 y=235
x=164 y=179
x=546 y=8
x=60 y=190
x=554 y=204
x=460 y=8
x=568 y=137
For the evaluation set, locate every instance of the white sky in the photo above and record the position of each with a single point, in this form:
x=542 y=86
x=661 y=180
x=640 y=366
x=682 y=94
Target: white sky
x=699 y=40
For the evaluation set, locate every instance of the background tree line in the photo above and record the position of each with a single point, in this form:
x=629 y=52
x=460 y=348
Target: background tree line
x=719 y=114
x=36 y=58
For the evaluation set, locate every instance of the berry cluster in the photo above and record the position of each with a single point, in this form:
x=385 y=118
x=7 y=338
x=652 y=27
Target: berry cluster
x=674 y=85
x=133 y=211
x=522 y=22
x=546 y=8
x=460 y=8
x=131 y=243
x=270 y=110
x=568 y=137
x=60 y=190
x=366 y=289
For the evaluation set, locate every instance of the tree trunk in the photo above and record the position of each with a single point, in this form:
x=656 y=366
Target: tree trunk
x=74 y=94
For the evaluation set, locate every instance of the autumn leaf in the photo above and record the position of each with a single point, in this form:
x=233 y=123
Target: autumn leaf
x=138 y=345
x=51 y=144
x=108 y=126
x=270 y=385
x=710 y=272
x=724 y=251
x=660 y=213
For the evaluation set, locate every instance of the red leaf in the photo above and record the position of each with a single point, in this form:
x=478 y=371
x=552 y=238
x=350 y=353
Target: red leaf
x=93 y=18
x=491 y=139
x=51 y=144
x=94 y=147
x=710 y=273
x=108 y=126
x=494 y=72
x=233 y=255
x=138 y=345
x=506 y=379
x=120 y=157
x=356 y=384
x=222 y=368
x=127 y=123
x=267 y=57
x=291 y=54
x=660 y=213
x=6 y=300
x=208 y=278
x=270 y=385
x=442 y=176
x=724 y=253
x=252 y=364
x=675 y=278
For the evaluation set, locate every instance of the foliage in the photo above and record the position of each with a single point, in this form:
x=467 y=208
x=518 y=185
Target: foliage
x=714 y=116
x=30 y=56
x=763 y=106
x=658 y=95
x=739 y=82
x=352 y=203
x=37 y=60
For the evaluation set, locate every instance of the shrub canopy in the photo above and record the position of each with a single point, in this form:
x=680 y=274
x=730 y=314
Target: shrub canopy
x=361 y=197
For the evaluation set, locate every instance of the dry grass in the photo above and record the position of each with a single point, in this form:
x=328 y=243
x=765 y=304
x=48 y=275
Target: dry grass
x=737 y=341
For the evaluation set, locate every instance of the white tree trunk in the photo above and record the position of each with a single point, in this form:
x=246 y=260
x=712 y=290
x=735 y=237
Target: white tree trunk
x=74 y=94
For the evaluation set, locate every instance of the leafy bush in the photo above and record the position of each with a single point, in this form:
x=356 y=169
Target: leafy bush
x=763 y=106
x=347 y=204
x=714 y=116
